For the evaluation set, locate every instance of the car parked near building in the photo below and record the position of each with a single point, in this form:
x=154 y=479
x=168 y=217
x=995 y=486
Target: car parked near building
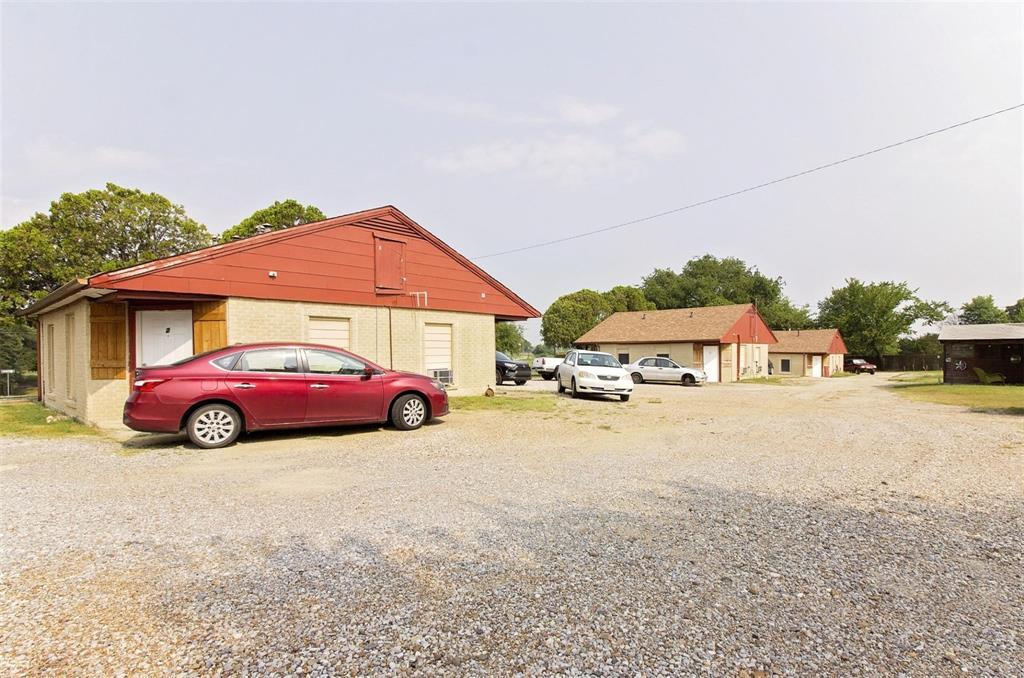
x=217 y=395
x=593 y=372
x=664 y=369
x=858 y=366
x=507 y=369
x=546 y=367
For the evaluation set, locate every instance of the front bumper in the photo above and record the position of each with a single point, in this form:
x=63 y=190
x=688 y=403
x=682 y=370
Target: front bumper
x=517 y=373
x=439 y=404
x=619 y=386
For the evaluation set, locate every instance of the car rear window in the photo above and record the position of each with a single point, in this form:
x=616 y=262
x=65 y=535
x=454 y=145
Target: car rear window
x=197 y=356
x=226 y=362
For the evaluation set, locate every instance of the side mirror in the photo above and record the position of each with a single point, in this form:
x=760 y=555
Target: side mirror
x=368 y=372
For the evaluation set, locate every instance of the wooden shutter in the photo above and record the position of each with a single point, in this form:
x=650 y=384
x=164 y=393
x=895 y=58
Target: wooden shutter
x=209 y=325
x=389 y=265
x=107 y=341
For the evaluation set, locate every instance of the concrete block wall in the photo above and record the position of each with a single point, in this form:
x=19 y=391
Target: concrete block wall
x=56 y=394
x=392 y=338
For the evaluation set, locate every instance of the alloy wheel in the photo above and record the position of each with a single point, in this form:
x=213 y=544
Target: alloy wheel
x=414 y=412
x=214 y=426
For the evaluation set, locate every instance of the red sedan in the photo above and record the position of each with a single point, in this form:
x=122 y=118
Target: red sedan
x=215 y=396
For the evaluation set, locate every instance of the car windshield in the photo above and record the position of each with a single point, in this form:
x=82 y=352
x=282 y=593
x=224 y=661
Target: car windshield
x=858 y=361
x=498 y=355
x=597 y=360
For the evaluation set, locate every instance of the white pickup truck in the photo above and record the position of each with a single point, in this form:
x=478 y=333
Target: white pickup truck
x=546 y=367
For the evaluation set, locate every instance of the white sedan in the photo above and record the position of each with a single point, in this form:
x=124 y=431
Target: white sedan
x=593 y=372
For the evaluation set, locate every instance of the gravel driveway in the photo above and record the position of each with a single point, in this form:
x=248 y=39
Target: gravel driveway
x=732 y=530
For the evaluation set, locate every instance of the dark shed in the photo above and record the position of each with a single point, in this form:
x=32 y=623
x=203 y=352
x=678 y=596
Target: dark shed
x=975 y=354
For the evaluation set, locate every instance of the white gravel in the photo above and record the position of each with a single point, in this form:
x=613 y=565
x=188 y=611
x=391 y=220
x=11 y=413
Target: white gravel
x=739 y=530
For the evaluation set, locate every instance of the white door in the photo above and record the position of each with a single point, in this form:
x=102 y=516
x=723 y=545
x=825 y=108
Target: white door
x=162 y=337
x=330 y=331
x=437 y=352
x=816 y=366
x=711 y=362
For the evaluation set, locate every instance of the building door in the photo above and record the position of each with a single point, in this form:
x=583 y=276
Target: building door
x=437 y=352
x=330 y=331
x=710 y=352
x=816 y=366
x=162 y=337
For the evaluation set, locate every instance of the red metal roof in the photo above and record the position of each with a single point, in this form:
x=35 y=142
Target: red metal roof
x=330 y=261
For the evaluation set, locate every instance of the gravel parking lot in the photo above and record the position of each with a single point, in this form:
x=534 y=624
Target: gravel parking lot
x=830 y=528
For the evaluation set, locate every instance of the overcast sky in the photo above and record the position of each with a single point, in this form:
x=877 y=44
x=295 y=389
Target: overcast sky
x=497 y=126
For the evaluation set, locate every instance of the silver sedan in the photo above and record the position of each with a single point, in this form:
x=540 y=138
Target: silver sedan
x=664 y=369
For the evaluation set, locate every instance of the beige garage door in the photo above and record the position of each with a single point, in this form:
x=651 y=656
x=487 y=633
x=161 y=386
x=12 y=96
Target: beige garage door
x=437 y=351
x=330 y=331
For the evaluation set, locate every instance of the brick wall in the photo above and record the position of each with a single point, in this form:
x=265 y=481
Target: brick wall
x=55 y=384
x=374 y=333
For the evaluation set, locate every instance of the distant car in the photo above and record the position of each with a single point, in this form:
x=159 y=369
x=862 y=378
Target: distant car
x=858 y=365
x=664 y=369
x=217 y=395
x=593 y=372
x=546 y=367
x=506 y=368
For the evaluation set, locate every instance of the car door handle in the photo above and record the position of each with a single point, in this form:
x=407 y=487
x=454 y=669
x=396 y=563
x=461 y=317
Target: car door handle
x=245 y=385
x=319 y=386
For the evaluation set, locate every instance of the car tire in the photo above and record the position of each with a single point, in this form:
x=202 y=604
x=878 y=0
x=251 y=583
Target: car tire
x=637 y=378
x=548 y=377
x=212 y=426
x=498 y=381
x=871 y=372
x=575 y=393
x=624 y=397
x=520 y=382
x=558 y=381
x=408 y=412
x=688 y=380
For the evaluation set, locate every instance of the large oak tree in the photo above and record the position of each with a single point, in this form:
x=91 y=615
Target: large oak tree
x=282 y=214
x=710 y=281
x=873 y=317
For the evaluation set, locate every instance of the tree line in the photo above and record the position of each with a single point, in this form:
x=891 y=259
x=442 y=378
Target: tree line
x=875 y=318
x=102 y=230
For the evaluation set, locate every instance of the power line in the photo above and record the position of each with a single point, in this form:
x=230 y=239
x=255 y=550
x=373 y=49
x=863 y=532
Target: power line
x=819 y=168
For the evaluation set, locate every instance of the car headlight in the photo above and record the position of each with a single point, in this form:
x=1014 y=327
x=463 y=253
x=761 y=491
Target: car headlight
x=437 y=384
x=586 y=375
x=625 y=376
x=511 y=366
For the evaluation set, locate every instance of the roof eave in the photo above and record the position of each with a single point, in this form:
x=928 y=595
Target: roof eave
x=68 y=293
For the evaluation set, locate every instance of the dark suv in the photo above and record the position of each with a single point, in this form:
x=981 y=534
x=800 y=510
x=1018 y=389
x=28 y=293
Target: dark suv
x=506 y=369
x=858 y=365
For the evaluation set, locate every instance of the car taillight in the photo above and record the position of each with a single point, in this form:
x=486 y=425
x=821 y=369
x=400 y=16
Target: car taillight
x=143 y=385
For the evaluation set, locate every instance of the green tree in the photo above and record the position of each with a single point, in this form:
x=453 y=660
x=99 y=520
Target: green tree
x=508 y=338
x=84 y=233
x=1016 y=312
x=282 y=214
x=926 y=344
x=91 y=232
x=627 y=298
x=982 y=310
x=873 y=317
x=710 y=281
x=572 y=315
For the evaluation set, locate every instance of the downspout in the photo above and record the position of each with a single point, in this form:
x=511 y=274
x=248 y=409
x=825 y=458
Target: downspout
x=39 y=360
x=738 y=347
x=391 y=341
